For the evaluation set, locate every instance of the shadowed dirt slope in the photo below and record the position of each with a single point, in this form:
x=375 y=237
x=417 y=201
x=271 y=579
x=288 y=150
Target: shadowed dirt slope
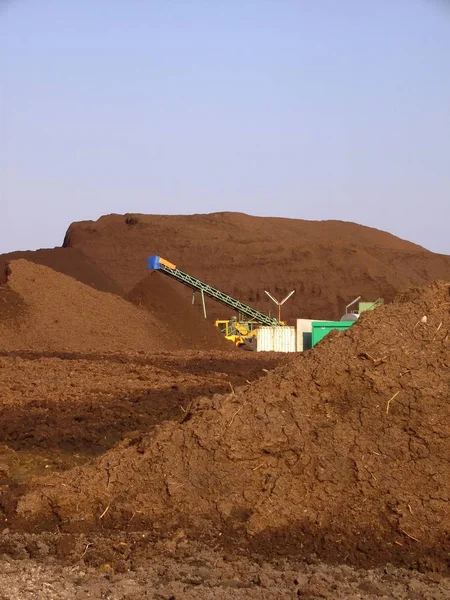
x=328 y=263
x=343 y=452
x=186 y=322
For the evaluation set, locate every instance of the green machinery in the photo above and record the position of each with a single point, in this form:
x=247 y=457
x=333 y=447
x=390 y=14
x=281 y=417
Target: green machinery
x=363 y=306
x=320 y=329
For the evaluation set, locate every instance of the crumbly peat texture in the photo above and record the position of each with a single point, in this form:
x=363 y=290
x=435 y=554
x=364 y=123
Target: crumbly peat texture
x=43 y=310
x=343 y=452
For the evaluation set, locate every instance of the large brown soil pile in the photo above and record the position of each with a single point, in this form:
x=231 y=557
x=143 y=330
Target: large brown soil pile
x=69 y=261
x=328 y=263
x=42 y=310
x=188 y=329
x=186 y=322
x=344 y=451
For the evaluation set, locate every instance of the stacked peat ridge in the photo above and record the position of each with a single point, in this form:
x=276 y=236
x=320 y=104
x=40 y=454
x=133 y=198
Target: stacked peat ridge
x=328 y=263
x=69 y=261
x=45 y=311
x=344 y=452
x=187 y=324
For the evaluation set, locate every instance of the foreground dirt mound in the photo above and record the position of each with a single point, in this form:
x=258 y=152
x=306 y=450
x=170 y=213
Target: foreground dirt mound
x=187 y=324
x=328 y=263
x=344 y=452
x=69 y=261
x=42 y=310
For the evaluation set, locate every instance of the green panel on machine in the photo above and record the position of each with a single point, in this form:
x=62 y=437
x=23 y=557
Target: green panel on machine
x=322 y=328
x=363 y=306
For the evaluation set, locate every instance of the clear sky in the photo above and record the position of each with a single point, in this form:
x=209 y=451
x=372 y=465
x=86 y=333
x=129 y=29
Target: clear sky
x=313 y=109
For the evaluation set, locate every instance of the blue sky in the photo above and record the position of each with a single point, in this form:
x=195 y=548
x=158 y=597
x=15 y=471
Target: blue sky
x=314 y=109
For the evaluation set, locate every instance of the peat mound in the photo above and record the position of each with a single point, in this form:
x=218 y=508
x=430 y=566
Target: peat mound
x=42 y=310
x=342 y=453
x=189 y=328
x=69 y=261
x=328 y=263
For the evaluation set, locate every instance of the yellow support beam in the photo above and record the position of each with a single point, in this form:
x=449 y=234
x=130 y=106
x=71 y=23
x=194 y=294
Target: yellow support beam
x=166 y=263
